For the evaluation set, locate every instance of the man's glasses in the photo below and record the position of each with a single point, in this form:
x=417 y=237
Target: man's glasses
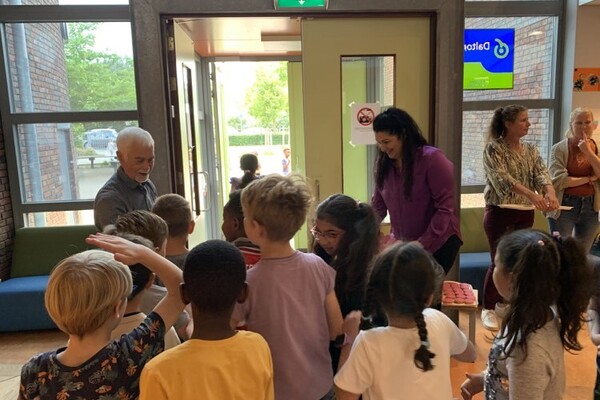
x=330 y=235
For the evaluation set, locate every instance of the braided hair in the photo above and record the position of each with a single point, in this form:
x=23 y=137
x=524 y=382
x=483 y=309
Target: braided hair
x=402 y=283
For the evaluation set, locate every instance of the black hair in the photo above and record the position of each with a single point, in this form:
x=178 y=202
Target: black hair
x=545 y=272
x=500 y=117
x=401 y=283
x=356 y=247
x=139 y=273
x=234 y=205
x=397 y=122
x=248 y=164
x=214 y=274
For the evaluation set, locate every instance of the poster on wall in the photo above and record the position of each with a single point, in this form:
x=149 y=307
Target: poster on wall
x=586 y=80
x=362 y=115
x=489 y=57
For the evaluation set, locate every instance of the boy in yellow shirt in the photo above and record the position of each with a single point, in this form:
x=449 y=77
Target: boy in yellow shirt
x=217 y=362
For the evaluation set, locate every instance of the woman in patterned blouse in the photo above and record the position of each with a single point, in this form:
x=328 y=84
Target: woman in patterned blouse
x=515 y=173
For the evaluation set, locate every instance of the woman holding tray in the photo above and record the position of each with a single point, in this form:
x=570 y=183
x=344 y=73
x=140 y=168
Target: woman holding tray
x=515 y=174
x=574 y=169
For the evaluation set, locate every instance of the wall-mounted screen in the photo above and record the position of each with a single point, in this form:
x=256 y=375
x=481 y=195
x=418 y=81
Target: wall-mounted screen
x=489 y=59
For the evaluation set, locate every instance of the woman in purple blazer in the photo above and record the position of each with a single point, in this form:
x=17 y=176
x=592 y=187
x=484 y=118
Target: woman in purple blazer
x=414 y=182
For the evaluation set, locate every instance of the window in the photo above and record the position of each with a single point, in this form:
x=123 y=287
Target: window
x=70 y=88
x=535 y=85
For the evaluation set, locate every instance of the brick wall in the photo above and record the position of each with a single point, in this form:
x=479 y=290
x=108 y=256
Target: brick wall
x=534 y=37
x=7 y=227
x=53 y=146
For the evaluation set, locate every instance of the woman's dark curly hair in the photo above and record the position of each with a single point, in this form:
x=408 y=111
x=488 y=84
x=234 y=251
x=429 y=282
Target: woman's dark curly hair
x=397 y=122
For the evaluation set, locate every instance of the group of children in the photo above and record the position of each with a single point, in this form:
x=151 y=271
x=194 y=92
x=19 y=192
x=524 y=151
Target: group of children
x=290 y=304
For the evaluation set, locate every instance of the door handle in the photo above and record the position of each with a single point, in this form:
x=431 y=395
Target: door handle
x=207 y=186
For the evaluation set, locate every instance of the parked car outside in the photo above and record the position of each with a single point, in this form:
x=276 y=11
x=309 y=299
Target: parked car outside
x=99 y=139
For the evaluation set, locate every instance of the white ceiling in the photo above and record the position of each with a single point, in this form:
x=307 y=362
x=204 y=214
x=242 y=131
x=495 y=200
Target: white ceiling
x=244 y=36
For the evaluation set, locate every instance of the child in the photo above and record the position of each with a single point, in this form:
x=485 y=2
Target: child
x=86 y=297
x=346 y=236
x=594 y=319
x=150 y=226
x=547 y=284
x=217 y=362
x=396 y=361
x=233 y=229
x=142 y=279
x=249 y=164
x=292 y=302
x=177 y=213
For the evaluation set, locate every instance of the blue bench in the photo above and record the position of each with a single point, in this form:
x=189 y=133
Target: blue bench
x=474 y=257
x=36 y=251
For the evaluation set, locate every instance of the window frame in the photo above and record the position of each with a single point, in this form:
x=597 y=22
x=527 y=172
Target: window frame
x=503 y=9
x=11 y=120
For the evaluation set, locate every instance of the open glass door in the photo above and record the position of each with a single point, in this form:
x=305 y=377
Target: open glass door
x=193 y=157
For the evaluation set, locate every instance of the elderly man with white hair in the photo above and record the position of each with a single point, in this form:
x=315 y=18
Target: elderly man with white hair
x=130 y=187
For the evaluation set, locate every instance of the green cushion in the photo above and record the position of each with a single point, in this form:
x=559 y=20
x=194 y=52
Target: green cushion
x=37 y=250
x=471 y=229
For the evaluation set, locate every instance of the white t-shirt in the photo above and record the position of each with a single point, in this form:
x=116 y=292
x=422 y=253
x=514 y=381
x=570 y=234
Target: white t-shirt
x=381 y=364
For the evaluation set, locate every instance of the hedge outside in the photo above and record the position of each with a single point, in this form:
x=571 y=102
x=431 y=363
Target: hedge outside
x=254 y=140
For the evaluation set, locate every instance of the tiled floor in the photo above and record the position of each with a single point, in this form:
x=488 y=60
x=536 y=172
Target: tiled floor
x=17 y=348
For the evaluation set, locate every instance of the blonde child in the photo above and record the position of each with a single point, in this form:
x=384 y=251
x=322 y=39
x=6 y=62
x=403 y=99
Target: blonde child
x=410 y=358
x=86 y=297
x=292 y=301
x=547 y=283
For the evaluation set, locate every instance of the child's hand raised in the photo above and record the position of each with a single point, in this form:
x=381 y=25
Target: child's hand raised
x=125 y=251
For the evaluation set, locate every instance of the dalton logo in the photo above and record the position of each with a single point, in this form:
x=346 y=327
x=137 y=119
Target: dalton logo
x=489 y=59
x=501 y=49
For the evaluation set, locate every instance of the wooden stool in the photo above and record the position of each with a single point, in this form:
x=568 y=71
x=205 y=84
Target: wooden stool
x=471 y=308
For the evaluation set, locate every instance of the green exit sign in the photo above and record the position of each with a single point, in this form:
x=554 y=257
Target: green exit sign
x=286 y=4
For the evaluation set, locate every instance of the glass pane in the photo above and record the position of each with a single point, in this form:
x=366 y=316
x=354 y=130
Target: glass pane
x=66 y=161
x=253 y=101
x=534 y=57
x=70 y=67
x=59 y=218
x=475 y=125
x=60 y=2
x=365 y=79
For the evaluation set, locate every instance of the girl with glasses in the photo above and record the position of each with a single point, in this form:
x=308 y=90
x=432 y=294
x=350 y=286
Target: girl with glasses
x=346 y=236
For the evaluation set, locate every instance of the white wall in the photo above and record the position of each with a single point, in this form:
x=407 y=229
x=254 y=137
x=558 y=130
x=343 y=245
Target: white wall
x=587 y=55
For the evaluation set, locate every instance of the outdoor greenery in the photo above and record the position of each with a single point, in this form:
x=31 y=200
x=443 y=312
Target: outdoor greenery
x=256 y=140
x=267 y=99
x=97 y=80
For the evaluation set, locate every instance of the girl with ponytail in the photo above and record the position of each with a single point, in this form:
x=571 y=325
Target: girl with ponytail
x=410 y=358
x=547 y=283
x=346 y=236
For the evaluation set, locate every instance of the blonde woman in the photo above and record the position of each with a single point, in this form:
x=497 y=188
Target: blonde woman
x=574 y=169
